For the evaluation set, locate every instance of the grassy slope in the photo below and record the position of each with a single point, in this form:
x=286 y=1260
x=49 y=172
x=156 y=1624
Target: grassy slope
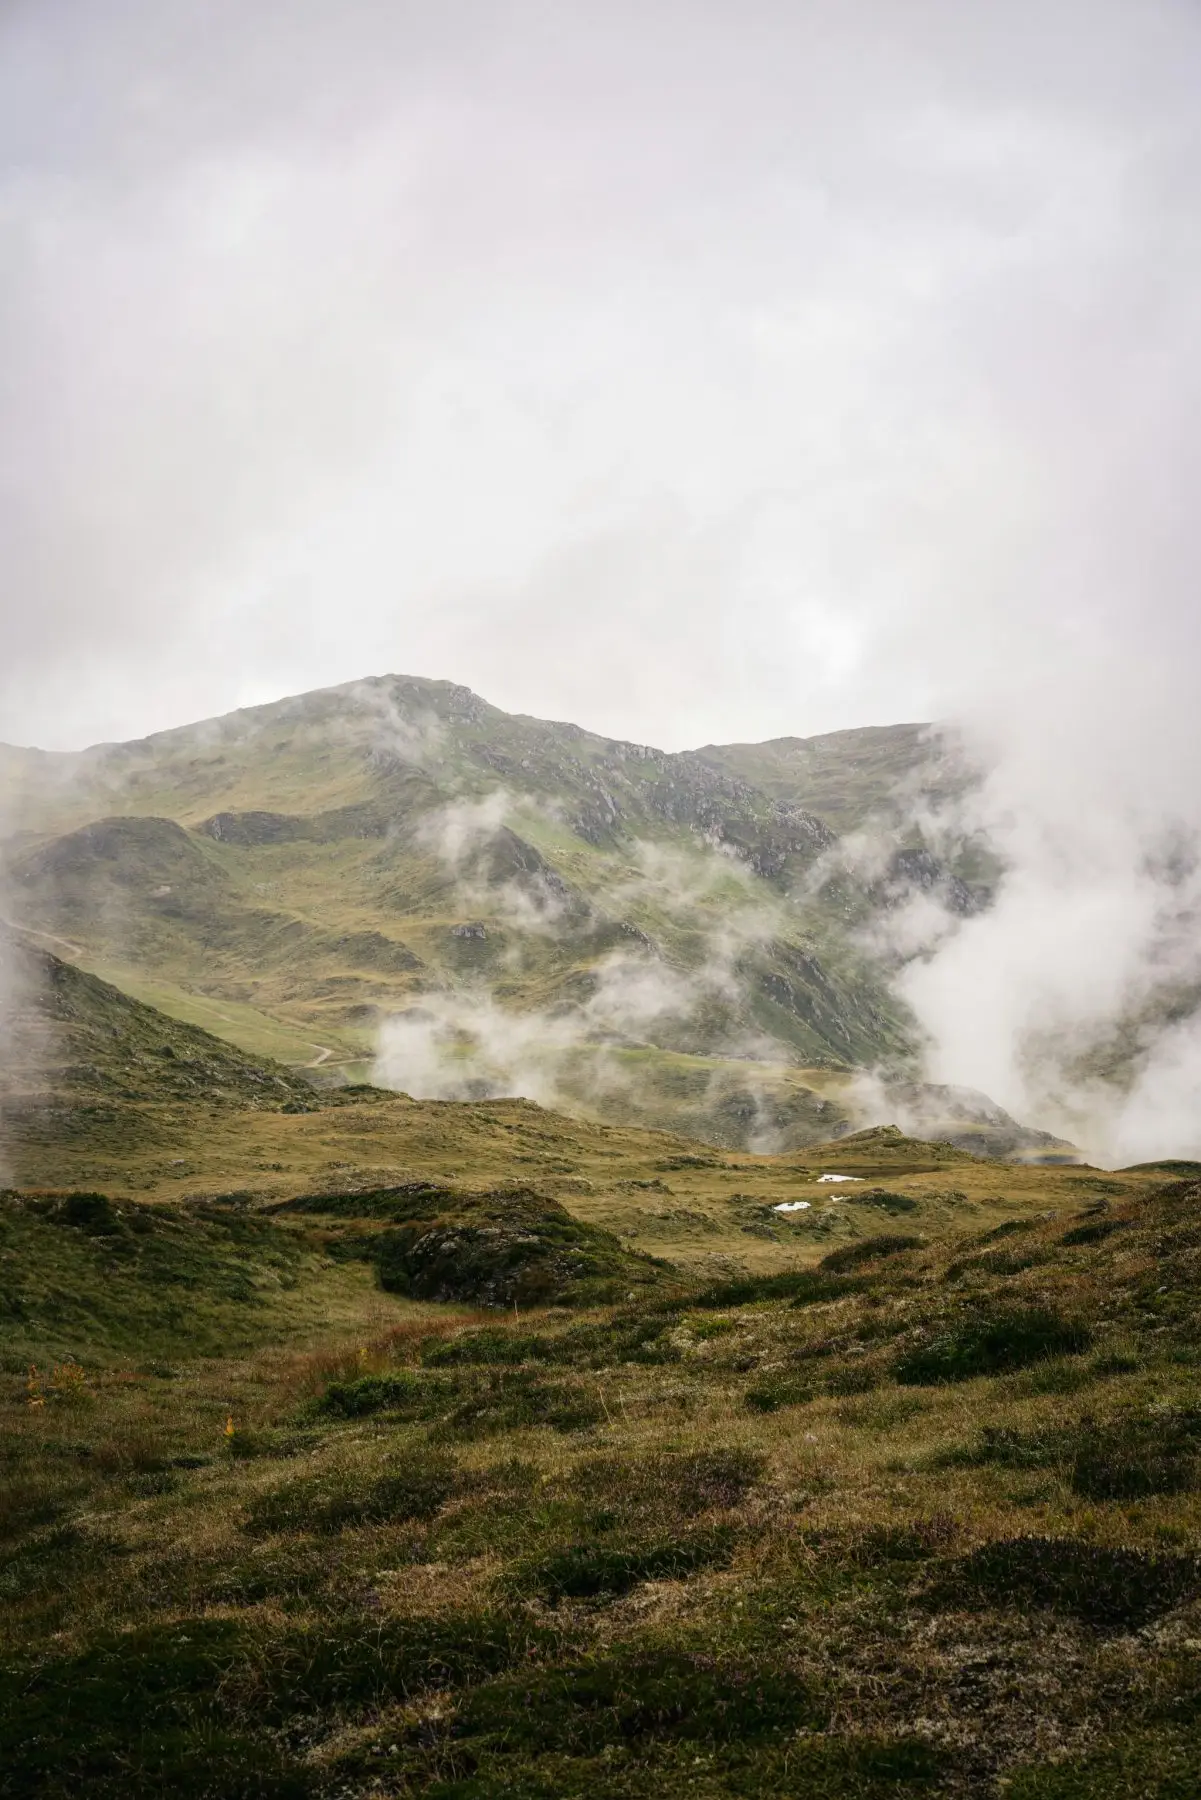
x=271 y=876
x=923 y=1524
x=848 y=777
x=100 y=1090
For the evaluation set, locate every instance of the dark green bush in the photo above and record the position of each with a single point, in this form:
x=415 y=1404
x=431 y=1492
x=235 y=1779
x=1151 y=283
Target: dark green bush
x=991 y=1345
x=336 y=1500
x=852 y=1378
x=408 y=1396
x=633 y=1697
x=1096 y=1232
x=590 y=1570
x=803 y=1287
x=1137 y=1457
x=884 y=1199
x=180 y=1709
x=134 y=1718
x=1110 y=1589
x=868 y=1249
x=488 y=1346
x=671 y=1483
x=621 y=1339
x=777 y=1390
x=503 y=1247
x=517 y=1398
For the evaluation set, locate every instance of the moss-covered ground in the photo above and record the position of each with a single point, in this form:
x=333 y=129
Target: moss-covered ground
x=918 y=1520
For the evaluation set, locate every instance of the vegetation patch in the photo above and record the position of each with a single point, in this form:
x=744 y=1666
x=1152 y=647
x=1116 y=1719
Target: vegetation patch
x=519 y=1399
x=779 y=1389
x=180 y=1708
x=914 y=1542
x=561 y=1555
x=490 y=1346
x=622 y=1338
x=992 y=1345
x=1142 y=1765
x=851 y=1256
x=1112 y=1589
x=883 y=1198
x=1095 y=1232
x=803 y=1287
x=1135 y=1457
x=338 y=1499
x=1128 y=1458
x=406 y=1395
x=86 y=1273
x=506 y=1247
x=682 y=1483
x=590 y=1570
x=630 y=1697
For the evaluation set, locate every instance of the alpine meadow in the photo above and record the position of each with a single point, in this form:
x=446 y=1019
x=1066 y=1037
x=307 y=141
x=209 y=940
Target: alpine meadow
x=600 y=900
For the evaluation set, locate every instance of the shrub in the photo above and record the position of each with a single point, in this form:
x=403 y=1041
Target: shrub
x=1096 y=1232
x=852 y=1378
x=404 y=1394
x=868 y=1249
x=779 y=1390
x=517 y=1399
x=802 y=1286
x=1110 y=1589
x=992 y=1345
x=135 y=1717
x=593 y=1346
x=332 y=1502
x=1138 y=1457
x=500 y=1247
x=633 y=1697
x=684 y=1483
x=489 y=1346
x=886 y=1201
x=591 y=1570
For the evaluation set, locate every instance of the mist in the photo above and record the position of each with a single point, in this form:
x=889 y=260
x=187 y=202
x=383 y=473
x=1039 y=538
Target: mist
x=462 y=1044
x=697 y=373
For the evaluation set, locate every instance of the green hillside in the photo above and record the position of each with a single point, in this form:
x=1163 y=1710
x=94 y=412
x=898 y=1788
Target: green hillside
x=354 y=1445
x=100 y=1090
x=491 y=904
x=849 y=777
x=913 y=1516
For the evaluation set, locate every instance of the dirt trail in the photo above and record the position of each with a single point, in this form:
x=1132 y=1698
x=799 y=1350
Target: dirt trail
x=45 y=937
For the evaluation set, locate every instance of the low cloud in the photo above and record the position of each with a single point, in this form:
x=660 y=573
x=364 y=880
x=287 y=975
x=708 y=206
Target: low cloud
x=463 y=1045
x=1074 y=997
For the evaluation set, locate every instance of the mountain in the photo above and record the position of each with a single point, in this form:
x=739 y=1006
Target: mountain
x=851 y=777
x=395 y=879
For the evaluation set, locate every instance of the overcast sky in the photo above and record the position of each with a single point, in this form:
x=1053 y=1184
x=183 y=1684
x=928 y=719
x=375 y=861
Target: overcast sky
x=694 y=369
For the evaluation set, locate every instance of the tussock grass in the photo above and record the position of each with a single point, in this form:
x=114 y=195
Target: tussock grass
x=445 y=1553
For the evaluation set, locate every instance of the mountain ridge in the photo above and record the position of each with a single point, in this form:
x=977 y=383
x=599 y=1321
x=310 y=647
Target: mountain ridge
x=405 y=880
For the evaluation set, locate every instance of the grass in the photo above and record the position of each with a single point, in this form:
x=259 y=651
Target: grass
x=274 y=877
x=104 y=1092
x=378 y=1546
x=83 y=1276
x=245 y=1025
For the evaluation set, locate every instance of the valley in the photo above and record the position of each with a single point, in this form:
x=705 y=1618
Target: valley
x=458 y=1337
